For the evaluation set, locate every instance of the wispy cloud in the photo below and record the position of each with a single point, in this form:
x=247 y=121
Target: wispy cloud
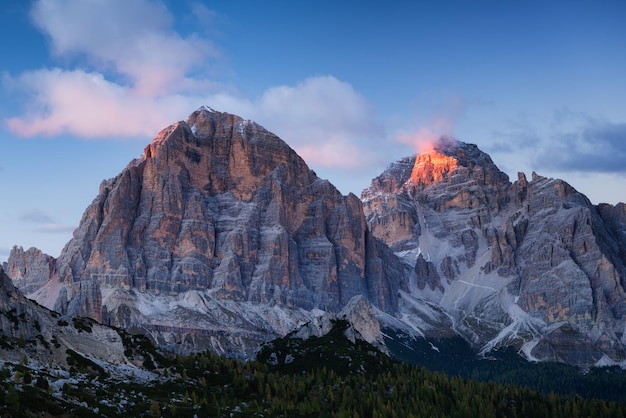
x=568 y=142
x=518 y=135
x=42 y=222
x=55 y=228
x=598 y=147
x=35 y=216
x=433 y=125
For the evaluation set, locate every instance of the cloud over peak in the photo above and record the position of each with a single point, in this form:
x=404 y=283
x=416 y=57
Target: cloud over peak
x=324 y=119
x=129 y=71
x=434 y=125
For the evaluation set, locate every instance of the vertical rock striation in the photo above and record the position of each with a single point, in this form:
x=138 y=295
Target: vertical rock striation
x=29 y=269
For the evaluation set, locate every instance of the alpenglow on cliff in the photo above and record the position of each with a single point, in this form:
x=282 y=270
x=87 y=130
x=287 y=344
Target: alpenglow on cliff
x=218 y=237
x=530 y=264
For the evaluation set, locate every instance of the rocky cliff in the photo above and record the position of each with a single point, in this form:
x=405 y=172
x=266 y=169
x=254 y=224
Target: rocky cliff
x=362 y=324
x=218 y=237
x=45 y=338
x=531 y=263
x=29 y=269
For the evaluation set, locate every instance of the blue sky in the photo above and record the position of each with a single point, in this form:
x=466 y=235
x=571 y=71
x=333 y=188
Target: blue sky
x=352 y=86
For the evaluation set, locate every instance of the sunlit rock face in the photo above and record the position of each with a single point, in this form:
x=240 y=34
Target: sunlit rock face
x=219 y=237
x=531 y=263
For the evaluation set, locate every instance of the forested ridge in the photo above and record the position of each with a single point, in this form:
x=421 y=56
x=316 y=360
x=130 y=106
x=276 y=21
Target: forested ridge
x=319 y=377
x=454 y=357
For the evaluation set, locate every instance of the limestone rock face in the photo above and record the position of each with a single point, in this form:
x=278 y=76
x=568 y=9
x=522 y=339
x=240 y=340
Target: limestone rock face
x=29 y=269
x=531 y=263
x=362 y=324
x=219 y=237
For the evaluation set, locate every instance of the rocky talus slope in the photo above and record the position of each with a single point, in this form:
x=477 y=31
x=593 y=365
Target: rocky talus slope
x=218 y=237
x=33 y=334
x=531 y=264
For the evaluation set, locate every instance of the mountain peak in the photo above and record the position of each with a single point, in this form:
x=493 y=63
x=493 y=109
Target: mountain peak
x=200 y=128
x=225 y=224
x=205 y=108
x=450 y=160
x=500 y=258
x=447 y=162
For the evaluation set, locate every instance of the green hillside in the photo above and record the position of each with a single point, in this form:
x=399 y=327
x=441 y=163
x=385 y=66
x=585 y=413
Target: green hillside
x=319 y=377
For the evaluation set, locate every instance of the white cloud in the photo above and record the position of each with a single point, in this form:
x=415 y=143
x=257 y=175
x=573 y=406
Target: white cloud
x=44 y=223
x=132 y=74
x=35 y=216
x=88 y=105
x=55 y=229
x=325 y=120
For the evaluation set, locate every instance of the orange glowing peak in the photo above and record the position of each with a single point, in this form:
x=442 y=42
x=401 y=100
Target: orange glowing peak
x=432 y=167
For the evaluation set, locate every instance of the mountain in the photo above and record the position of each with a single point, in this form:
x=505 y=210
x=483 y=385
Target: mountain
x=529 y=264
x=218 y=237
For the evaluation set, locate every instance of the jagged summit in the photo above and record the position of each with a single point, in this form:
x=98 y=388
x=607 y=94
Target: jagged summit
x=447 y=162
x=450 y=175
x=531 y=264
x=450 y=158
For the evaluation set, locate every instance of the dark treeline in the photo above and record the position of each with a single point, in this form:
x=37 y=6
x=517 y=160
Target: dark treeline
x=318 y=377
x=454 y=357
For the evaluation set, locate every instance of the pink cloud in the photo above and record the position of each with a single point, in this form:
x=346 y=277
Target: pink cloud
x=430 y=129
x=140 y=77
x=332 y=155
x=426 y=135
x=87 y=105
